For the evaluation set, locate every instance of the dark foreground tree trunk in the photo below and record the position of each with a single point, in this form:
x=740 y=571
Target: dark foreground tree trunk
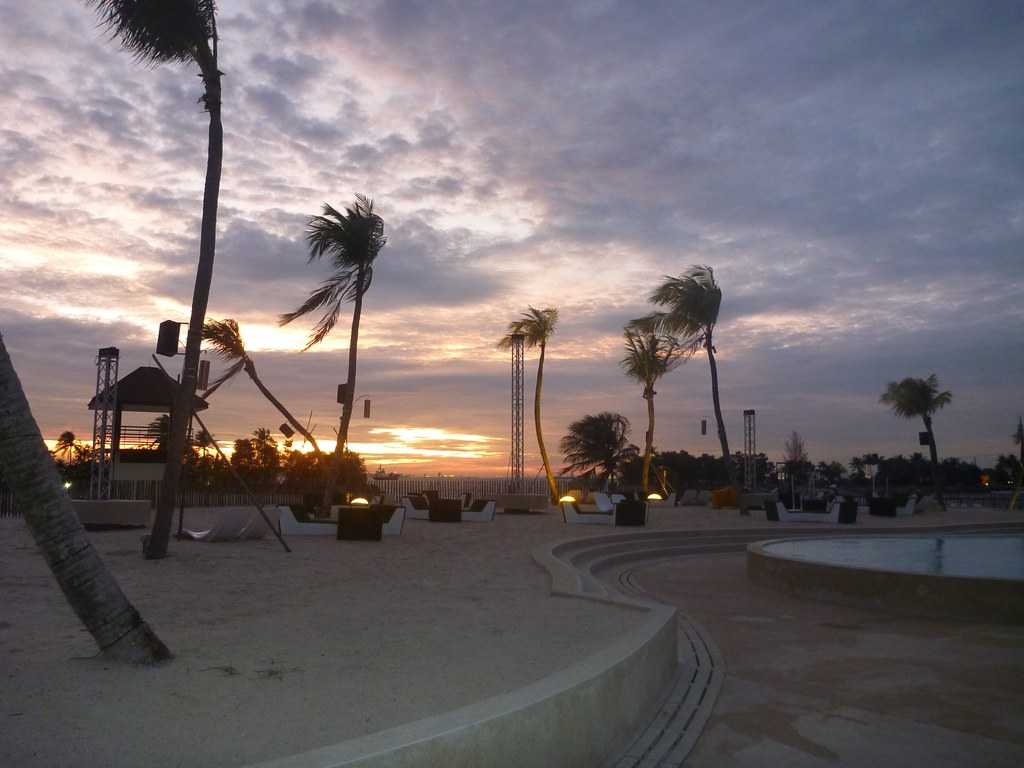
x=723 y=439
x=89 y=587
x=648 y=442
x=156 y=546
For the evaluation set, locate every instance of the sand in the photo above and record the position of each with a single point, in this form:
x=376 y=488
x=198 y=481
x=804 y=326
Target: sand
x=279 y=653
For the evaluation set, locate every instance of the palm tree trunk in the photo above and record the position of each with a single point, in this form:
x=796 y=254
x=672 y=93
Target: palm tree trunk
x=333 y=466
x=156 y=545
x=722 y=437
x=936 y=472
x=649 y=444
x=552 y=487
x=250 y=369
x=89 y=587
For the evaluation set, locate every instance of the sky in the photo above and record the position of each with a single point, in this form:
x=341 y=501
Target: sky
x=853 y=172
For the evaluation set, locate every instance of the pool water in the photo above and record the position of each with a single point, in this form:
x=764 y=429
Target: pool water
x=989 y=557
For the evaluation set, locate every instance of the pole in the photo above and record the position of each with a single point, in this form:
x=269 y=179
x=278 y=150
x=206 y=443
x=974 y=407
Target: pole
x=234 y=472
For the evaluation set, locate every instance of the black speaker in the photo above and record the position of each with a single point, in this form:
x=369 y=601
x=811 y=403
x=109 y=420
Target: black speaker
x=167 y=339
x=922 y=438
x=703 y=426
x=287 y=431
x=342 y=389
x=366 y=409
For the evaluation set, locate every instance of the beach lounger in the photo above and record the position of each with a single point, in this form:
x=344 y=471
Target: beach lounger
x=393 y=526
x=480 y=511
x=577 y=516
x=689 y=498
x=604 y=504
x=775 y=511
x=416 y=507
x=233 y=524
x=907 y=510
x=292 y=524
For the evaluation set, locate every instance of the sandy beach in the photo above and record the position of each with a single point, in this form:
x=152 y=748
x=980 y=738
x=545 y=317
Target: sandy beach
x=279 y=653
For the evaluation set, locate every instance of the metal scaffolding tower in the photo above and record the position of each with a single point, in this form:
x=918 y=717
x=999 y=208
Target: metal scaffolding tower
x=516 y=482
x=102 y=470
x=750 y=449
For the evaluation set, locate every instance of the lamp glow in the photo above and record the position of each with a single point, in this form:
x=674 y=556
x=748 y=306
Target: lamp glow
x=567 y=499
x=654 y=497
x=359 y=500
x=67 y=485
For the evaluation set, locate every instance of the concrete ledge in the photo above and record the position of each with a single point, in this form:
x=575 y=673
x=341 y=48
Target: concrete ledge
x=901 y=592
x=577 y=717
x=127 y=514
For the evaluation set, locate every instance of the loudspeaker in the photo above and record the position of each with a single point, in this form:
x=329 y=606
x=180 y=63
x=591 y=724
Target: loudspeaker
x=167 y=339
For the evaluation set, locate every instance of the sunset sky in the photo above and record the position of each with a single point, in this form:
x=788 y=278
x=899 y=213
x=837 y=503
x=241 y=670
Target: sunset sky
x=853 y=172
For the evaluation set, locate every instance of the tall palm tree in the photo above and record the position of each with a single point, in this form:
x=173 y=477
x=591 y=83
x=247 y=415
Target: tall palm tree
x=536 y=326
x=912 y=397
x=649 y=356
x=179 y=31
x=351 y=241
x=692 y=301
x=89 y=587
x=598 y=444
x=225 y=338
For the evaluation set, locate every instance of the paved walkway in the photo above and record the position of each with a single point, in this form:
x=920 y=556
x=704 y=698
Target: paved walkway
x=813 y=684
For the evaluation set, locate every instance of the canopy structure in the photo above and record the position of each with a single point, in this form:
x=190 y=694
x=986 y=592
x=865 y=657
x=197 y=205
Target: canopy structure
x=145 y=390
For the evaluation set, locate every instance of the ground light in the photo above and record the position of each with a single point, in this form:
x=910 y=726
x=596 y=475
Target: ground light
x=654 y=497
x=359 y=500
x=567 y=500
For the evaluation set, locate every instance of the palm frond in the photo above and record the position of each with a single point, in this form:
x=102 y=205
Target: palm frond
x=692 y=303
x=225 y=338
x=535 y=326
x=225 y=377
x=156 y=31
x=598 y=443
x=912 y=397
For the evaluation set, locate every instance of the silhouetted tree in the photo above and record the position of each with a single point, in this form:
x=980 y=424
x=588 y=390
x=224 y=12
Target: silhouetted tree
x=912 y=397
x=598 y=445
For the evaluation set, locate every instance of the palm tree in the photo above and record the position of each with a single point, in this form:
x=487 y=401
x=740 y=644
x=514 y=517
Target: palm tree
x=156 y=32
x=1018 y=439
x=536 y=327
x=225 y=338
x=920 y=397
x=598 y=444
x=66 y=447
x=692 y=301
x=90 y=588
x=649 y=356
x=160 y=430
x=352 y=241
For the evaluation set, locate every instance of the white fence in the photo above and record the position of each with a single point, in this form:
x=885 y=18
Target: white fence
x=447 y=487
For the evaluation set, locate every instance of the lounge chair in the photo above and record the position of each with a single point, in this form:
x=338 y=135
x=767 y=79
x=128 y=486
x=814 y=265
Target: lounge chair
x=907 y=509
x=293 y=523
x=775 y=511
x=480 y=511
x=233 y=524
x=703 y=499
x=445 y=511
x=577 y=516
x=689 y=498
x=416 y=507
x=392 y=525
x=604 y=504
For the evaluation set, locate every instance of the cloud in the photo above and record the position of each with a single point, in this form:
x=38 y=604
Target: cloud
x=854 y=176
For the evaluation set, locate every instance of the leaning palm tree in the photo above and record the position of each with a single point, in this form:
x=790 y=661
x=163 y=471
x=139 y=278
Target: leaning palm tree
x=90 y=588
x=226 y=340
x=649 y=356
x=179 y=31
x=536 y=327
x=920 y=397
x=599 y=445
x=351 y=240
x=692 y=301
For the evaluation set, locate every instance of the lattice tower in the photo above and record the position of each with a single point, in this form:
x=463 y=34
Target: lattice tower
x=516 y=481
x=750 y=449
x=101 y=474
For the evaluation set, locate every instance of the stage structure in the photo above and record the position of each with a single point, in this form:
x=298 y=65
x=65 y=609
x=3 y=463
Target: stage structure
x=516 y=482
x=750 y=449
x=102 y=470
